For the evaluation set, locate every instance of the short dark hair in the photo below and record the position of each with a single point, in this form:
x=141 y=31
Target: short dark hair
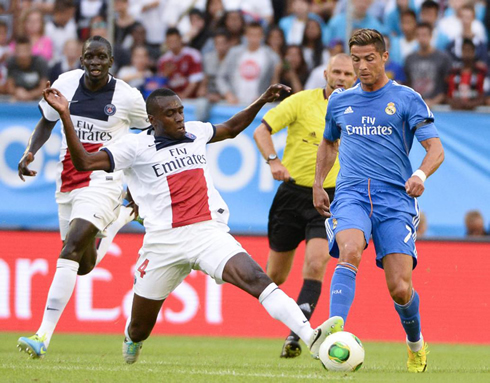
x=363 y=37
x=22 y=40
x=63 y=5
x=408 y=12
x=98 y=39
x=430 y=4
x=151 y=101
x=173 y=31
x=425 y=25
x=222 y=32
x=254 y=24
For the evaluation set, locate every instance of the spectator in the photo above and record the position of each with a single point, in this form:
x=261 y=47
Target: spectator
x=258 y=10
x=391 y=18
x=27 y=74
x=150 y=13
x=323 y=8
x=85 y=12
x=208 y=90
x=61 y=27
x=276 y=41
x=405 y=44
x=467 y=16
x=427 y=68
x=181 y=65
x=360 y=19
x=475 y=225
x=393 y=69
x=123 y=23
x=293 y=71
x=138 y=37
x=4 y=55
x=234 y=23
x=468 y=84
x=452 y=26
x=32 y=27
x=69 y=60
x=248 y=69
x=294 y=24
x=214 y=11
x=198 y=33
x=429 y=13
x=139 y=71
x=314 y=52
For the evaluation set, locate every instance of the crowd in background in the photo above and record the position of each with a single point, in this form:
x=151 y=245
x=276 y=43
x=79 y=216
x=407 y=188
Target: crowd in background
x=232 y=50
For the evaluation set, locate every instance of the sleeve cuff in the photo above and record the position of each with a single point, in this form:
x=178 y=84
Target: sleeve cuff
x=214 y=133
x=111 y=159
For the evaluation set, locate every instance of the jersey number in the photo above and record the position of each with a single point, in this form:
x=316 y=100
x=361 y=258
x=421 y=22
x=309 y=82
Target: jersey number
x=142 y=268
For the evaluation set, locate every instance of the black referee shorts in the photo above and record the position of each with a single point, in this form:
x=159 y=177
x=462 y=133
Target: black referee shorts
x=293 y=218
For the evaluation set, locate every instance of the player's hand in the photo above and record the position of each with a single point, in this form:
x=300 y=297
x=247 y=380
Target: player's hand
x=279 y=171
x=54 y=98
x=273 y=92
x=26 y=159
x=321 y=201
x=414 y=186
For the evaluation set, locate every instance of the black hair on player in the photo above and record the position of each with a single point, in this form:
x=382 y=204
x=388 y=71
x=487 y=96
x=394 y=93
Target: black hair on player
x=101 y=40
x=151 y=101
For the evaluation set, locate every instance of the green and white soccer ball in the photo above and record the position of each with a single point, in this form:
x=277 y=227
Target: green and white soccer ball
x=342 y=351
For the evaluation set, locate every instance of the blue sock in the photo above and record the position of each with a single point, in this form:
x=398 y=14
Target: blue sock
x=410 y=317
x=342 y=289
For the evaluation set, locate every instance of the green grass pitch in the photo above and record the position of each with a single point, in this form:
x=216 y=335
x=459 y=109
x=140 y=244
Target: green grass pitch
x=97 y=358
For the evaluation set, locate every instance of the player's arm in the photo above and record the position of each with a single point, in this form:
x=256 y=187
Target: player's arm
x=325 y=159
x=432 y=160
x=38 y=138
x=263 y=139
x=236 y=124
x=83 y=160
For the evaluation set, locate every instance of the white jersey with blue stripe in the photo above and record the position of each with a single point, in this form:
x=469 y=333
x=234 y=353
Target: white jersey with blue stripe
x=376 y=131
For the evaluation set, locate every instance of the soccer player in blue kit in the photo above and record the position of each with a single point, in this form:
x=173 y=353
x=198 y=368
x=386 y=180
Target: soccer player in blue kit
x=376 y=122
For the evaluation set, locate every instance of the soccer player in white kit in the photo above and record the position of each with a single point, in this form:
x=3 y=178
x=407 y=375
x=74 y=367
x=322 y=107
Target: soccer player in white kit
x=184 y=215
x=103 y=109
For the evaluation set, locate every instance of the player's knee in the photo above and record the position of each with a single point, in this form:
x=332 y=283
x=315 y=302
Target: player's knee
x=85 y=268
x=315 y=268
x=401 y=292
x=350 y=252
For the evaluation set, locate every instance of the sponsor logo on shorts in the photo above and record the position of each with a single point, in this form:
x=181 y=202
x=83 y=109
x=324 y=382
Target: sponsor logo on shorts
x=97 y=216
x=110 y=109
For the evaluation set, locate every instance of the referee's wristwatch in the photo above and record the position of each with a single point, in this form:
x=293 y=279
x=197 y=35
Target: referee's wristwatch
x=271 y=157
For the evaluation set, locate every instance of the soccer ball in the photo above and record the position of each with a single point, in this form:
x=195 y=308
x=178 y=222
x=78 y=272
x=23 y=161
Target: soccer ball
x=342 y=351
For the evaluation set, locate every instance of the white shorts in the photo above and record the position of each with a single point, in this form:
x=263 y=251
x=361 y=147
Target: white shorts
x=168 y=256
x=97 y=204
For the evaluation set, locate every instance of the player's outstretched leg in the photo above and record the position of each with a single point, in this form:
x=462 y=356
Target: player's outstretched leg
x=242 y=271
x=34 y=346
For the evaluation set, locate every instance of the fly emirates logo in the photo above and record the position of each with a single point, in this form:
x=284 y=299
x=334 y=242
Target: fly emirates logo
x=369 y=128
x=180 y=160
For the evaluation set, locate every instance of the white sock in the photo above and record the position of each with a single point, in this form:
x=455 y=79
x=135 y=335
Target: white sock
x=125 y=216
x=283 y=308
x=416 y=346
x=59 y=294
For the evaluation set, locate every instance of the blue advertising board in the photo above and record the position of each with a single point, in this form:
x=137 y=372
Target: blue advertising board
x=242 y=176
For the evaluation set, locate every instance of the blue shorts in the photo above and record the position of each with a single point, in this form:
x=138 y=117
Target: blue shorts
x=390 y=215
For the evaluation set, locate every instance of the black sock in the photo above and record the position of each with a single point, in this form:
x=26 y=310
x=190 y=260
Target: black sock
x=308 y=298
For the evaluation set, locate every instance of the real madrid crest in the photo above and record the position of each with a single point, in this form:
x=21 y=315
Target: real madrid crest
x=390 y=108
x=334 y=223
x=110 y=109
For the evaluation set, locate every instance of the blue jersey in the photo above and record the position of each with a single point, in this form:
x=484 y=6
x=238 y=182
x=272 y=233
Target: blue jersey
x=376 y=131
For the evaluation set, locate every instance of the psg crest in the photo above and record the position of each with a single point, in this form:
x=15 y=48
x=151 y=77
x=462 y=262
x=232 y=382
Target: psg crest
x=190 y=135
x=110 y=109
